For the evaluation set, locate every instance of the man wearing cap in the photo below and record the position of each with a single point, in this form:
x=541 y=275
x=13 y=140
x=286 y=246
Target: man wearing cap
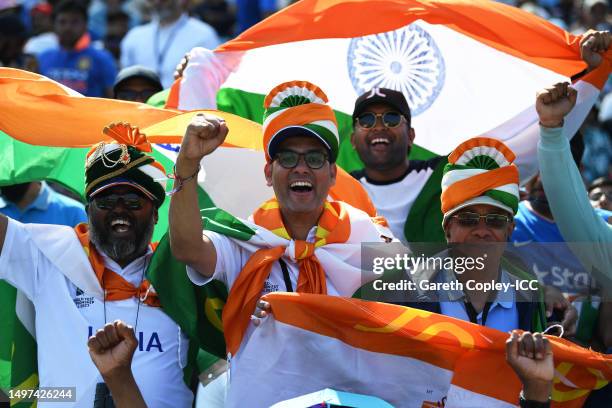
x=80 y=279
x=136 y=84
x=479 y=200
x=301 y=242
x=405 y=192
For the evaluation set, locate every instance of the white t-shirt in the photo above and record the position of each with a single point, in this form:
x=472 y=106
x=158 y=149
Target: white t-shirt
x=162 y=48
x=393 y=200
x=67 y=315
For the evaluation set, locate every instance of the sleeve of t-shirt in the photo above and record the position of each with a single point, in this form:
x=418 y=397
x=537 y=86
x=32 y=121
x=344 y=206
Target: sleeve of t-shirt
x=20 y=259
x=229 y=261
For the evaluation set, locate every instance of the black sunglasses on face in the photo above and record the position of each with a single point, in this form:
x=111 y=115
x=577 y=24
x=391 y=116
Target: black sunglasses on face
x=469 y=219
x=289 y=159
x=367 y=120
x=131 y=201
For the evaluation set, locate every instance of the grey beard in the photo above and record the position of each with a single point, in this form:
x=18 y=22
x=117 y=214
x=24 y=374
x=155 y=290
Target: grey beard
x=122 y=249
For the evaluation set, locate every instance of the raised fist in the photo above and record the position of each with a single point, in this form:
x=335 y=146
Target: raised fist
x=112 y=348
x=592 y=45
x=552 y=104
x=203 y=135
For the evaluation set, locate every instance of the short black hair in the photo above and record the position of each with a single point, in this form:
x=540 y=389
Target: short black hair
x=70 y=6
x=599 y=182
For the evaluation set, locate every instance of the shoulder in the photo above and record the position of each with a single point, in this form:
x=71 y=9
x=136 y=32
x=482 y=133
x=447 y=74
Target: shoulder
x=430 y=164
x=195 y=24
x=136 y=33
x=358 y=174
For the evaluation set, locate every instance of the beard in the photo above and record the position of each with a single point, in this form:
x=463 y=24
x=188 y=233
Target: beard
x=121 y=249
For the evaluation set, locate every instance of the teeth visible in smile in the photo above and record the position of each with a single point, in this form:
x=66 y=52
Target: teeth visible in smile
x=379 y=140
x=121 y=222
x=301 y=184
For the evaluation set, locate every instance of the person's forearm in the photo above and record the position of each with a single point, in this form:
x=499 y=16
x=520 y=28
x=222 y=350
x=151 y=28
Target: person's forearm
x=537 y=391
x=124 y=390
x=185 y=220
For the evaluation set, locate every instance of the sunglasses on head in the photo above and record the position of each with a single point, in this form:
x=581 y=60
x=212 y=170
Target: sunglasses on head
x=367 y=120
x=288 y=159
x=131 y=201
x=470 y=219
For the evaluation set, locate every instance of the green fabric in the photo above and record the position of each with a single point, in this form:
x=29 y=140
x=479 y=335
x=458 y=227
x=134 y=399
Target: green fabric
x=587 y=321
x=196 y=309
x=159 y=99
x=505 y=198
x=424 y=221
x=539 y=315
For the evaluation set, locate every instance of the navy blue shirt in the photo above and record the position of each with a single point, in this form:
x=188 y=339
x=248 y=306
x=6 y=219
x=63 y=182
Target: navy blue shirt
x=88 y=71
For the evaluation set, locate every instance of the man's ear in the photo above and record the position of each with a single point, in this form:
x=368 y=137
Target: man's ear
x=268 y=173
x=156 y=215
x=353 y=140
x=333 y=172
x=411 y=135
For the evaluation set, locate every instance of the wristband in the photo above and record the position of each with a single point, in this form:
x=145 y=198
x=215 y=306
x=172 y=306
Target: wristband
x=525 y=403
x=179 y=182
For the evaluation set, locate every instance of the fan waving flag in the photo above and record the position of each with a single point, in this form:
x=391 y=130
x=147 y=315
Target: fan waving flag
x=467 y=68
x=407 y=357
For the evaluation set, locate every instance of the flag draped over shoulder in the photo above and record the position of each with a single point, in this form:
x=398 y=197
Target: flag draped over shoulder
x=467 y=68
x=407 y=357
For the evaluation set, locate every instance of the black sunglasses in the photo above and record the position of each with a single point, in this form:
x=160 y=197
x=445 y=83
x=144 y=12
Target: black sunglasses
x=597 y=196
x=131 y=201
x=288 y=159
x=367 y=120
x=469 y=219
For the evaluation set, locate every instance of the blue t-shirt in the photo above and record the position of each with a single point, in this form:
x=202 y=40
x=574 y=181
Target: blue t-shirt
x=553 y=262
x=49 y=207
x=88 y=71
x=251 y=12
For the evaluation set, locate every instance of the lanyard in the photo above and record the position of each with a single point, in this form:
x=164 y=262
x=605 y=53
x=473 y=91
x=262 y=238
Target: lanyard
x=286 y=275
x=160 y=56
x=471 y=312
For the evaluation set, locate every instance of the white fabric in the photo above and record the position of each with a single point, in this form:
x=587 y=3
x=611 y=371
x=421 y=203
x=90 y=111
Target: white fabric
x=138 y=46
x=283 y=361
x=394 y=201
x=66 y=315
x=213 y=394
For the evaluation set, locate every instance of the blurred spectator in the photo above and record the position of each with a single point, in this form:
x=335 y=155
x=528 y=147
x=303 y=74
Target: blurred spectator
x=12 y=37
x=600 y=193
x=76 y=63
x=136 y=84
x=598 y=148
x=118 y=24
x=42 y=27
x=251 y=12
x=218 y=14
x=101 y=10
x=592 y=15
x=162 y=43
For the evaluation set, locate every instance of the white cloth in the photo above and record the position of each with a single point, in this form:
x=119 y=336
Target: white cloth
x=149 y=44
x=67 y=314
x=394 y=200
x=40 y=43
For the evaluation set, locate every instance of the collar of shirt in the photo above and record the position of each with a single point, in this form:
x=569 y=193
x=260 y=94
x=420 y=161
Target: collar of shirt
x=40 y=203
x=178 y=21
x=505 y=300
x=134 y=271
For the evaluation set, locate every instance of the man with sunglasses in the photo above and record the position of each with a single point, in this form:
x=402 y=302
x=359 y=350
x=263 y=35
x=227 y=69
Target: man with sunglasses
x=405 y=192
x=299 y=241
x=83 y=278
x=478 y=282
x=136 y=84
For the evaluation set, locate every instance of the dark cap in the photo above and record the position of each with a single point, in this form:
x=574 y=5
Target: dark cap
x=386 y=96
x=137 y=71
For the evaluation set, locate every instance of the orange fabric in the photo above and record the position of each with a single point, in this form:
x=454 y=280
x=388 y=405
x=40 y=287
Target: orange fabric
x=351 y=191
x=295 y=116
x=517 y=32
x=334 y=226
x=479 y=142
x=475 y=186
x=129 y=135
x=115 y=287
x=475 y=353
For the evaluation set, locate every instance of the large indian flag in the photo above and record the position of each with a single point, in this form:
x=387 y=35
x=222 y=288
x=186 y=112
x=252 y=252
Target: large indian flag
x=467 y=68
x=407 y=357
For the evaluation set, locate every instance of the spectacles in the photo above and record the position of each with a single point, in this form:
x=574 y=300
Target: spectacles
x=469 y=219
x=597 y=195
x=127 y=95
x=367 y=120
x=288 y=159
x=131 y=201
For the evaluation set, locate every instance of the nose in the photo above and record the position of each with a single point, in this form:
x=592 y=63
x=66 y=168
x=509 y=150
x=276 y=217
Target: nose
x=482 y=231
